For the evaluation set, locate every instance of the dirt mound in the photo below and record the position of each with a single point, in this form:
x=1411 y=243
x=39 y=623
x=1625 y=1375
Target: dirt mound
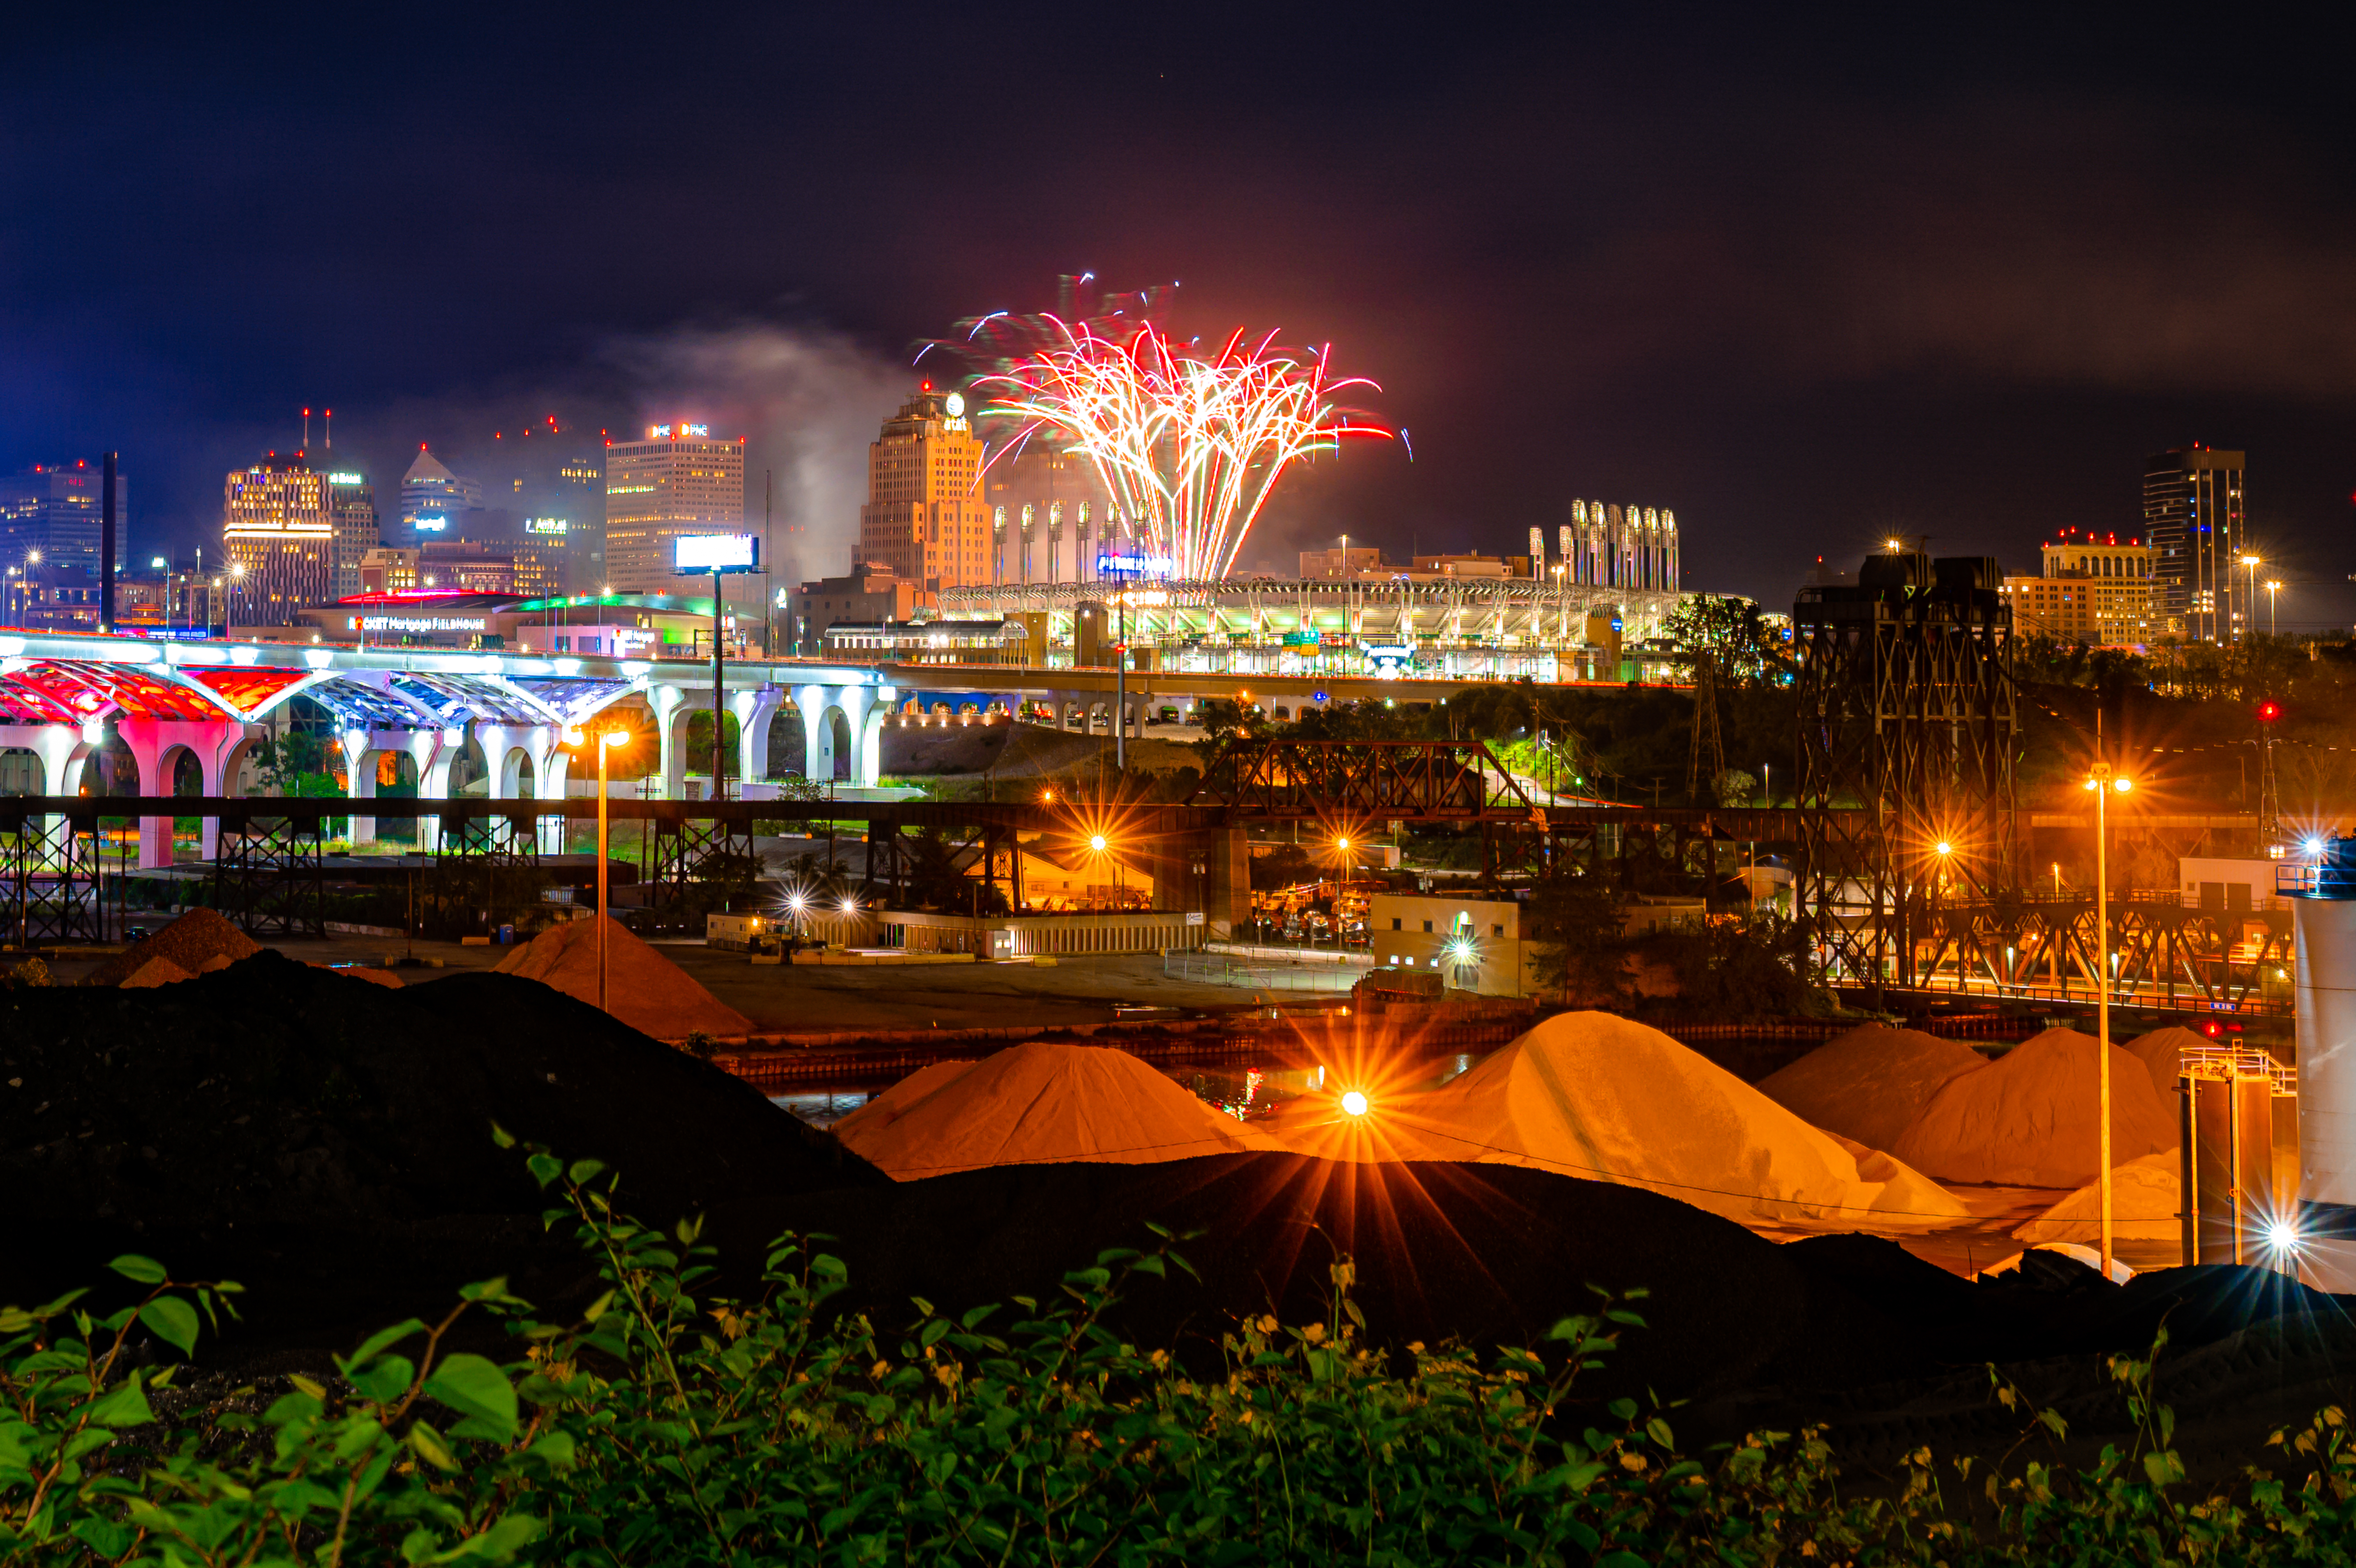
x=1870 y=1083
x=329 y=1144
x=2029 y=1119
x=1044 y=1103
x=643 y=989
x=895 y=1102
x=155 y=972
x=274 y=1091
x=190 y=941
x=1601 y=1097
x=2146 y=1195
x=2162 y=1053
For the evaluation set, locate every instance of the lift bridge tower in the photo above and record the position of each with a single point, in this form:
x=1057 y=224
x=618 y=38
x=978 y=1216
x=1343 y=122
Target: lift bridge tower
x=1910 y=723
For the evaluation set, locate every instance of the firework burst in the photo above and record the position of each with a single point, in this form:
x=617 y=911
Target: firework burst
x=1189 y=446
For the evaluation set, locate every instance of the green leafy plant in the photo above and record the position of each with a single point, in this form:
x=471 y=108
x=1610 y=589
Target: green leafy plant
x=670 y=1423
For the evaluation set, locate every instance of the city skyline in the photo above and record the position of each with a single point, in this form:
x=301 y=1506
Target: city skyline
x=1789 y=313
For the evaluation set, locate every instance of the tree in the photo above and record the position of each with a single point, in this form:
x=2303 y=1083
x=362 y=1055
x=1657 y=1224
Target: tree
x=1577 y=929
x=1730 y=633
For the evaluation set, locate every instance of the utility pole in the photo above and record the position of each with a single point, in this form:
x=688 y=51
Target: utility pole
x=719 y=748
x=106 y=551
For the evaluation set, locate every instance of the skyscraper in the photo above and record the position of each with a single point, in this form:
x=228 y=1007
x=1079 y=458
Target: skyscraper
x=351 y=504
x=2193 y=518
x=53 y=510
x=435 y=502
x=278 y=526
x=925 y=516
x=679 y=480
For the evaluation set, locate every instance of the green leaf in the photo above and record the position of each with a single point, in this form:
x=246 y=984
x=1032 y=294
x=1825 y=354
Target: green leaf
x=544 y=1168
x=584 y=1171
x=382 y=1377
x=501 y=1136
x=126 y=1406
x=144 y=1270
x=173 y=1321
x=2164 y=1467
x=105 y=1537
x=555 y=1450
x=384 y=1339
x=431 y=1447
x=479 y=1390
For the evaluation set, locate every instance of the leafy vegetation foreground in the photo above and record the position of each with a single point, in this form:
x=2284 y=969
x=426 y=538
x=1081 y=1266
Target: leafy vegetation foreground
x=663 y=1428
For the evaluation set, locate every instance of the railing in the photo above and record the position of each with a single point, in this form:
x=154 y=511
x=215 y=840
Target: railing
x=1218 y=969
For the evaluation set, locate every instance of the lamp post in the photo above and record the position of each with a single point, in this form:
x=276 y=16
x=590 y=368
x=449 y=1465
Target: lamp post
x=606 y=743
x=2250 y=567
x=2103 y=781
x=2274 y=586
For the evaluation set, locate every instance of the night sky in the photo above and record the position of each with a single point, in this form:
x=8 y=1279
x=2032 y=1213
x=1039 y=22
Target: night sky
x=1806 y=277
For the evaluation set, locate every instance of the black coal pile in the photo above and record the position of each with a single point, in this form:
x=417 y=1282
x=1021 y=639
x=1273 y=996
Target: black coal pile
x=291 y=1126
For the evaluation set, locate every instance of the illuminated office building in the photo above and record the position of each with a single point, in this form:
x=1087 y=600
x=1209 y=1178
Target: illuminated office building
x=351 y=501
x=51 y=514
x=679 y=480
x=2192 y=514
x=279 y=529
x=435 y=503
x=925 y=516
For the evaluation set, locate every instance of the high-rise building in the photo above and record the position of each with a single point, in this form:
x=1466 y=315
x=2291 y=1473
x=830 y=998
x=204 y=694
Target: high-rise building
x=2093 y=589
x=352 y=501
x=468 y=564
x=678 y=482
x=2194 y=516
x=278 y=525
x=52 y=515
x=581 y=479
x=925 y=515
x=435 y=502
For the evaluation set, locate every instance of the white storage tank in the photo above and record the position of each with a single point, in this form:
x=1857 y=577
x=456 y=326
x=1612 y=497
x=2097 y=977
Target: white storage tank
x=2324 y=917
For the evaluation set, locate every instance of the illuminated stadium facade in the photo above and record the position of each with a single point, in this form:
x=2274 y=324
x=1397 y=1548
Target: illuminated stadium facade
x=1580 y=611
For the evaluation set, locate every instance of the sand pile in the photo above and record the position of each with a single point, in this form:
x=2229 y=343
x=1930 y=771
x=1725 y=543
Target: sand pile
x=2162 y=1055
x=643 y=989
x=2028 y=1120
x=1598 y=1096
x=1040 y=1104
x=1870 y=1084
x=895 y=1101
x=2145 y=1194
x=196 y=942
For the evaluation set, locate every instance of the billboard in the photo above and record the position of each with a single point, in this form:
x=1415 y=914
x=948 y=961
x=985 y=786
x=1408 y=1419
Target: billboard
x=700 y=553
x=1134 y=566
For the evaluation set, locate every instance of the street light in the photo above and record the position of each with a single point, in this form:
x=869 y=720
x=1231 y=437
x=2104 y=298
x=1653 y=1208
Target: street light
x=2104 y=782
x=606 y=743
x=2249 y=566
x=2274 y=586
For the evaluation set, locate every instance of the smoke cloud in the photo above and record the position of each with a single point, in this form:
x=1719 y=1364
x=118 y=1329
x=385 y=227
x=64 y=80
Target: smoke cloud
x=809 y=400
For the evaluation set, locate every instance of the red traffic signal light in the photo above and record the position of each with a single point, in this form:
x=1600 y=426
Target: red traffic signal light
x=2268 y=712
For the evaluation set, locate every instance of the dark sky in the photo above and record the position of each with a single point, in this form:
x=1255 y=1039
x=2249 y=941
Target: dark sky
x=1807 y=277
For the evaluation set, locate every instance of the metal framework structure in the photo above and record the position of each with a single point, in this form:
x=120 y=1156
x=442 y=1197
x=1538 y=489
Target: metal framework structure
x=268 y=876
x=710 y=855
x=1910 y=722
x=488 y=862
x=2169 y=956
x=48 y=875
x=942 y=863
x=1362 y=782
